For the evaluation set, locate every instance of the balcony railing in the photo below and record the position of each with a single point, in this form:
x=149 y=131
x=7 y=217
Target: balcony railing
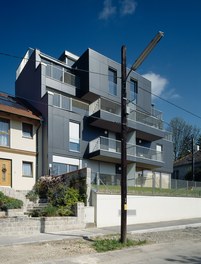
x=112 y=145
x=105 y=105
x=135 y=115
x=146 y=119
x=62 y=74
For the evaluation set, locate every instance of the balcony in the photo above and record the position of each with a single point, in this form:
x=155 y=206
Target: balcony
x=107 y=115
x=107 y=149
x=61 y=74
x=59 y=78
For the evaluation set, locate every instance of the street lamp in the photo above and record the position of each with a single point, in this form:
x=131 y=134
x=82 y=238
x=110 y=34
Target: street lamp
x=124 y=77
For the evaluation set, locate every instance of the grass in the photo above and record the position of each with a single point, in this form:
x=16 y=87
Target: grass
x=182 y=192
x=103 y=245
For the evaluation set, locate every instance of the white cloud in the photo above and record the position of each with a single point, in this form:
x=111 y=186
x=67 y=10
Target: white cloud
x=127 y=7
x=158 y=86
x=121 y=7
x=108 y=10
x=171 y=94
x=158 y=83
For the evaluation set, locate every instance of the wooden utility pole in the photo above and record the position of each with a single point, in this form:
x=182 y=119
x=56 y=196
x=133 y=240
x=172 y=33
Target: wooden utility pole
x=123 y=147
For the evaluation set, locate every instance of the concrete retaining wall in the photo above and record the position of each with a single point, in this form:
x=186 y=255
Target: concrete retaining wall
x=144 y=209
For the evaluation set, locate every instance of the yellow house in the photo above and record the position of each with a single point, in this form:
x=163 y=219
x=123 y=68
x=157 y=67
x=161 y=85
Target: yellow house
x=20 y=130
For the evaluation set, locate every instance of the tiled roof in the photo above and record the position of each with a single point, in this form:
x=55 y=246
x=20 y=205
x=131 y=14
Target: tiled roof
x=16 y=106
x=188 y=159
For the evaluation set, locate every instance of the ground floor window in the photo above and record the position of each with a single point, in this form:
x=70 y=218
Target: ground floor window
x=27 y=169
x=61 y=168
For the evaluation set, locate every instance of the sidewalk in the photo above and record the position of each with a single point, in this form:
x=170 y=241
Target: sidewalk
x=91 y=232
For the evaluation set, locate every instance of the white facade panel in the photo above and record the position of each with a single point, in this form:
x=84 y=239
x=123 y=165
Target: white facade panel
x=65 y=160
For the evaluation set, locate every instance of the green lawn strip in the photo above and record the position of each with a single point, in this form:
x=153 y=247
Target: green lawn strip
x=108 y=244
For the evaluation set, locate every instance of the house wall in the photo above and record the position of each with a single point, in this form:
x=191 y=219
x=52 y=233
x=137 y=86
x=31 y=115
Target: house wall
x=18 y=141
x=143 y=209
x=21 y=149
x=19 y=182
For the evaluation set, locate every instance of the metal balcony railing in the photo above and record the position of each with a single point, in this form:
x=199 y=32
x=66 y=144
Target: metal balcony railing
x=146 y=119
x=62 y=74
x=135 y=115
x=114 y=146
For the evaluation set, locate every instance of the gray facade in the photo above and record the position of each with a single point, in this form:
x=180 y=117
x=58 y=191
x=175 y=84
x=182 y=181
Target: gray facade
x=79 y=99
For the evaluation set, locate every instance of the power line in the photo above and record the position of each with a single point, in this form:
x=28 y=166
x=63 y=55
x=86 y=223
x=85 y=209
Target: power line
x=98 y=73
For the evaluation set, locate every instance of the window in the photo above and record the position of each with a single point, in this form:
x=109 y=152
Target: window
x=61 y=168
x=27 y=130
x=133 y=91
x=74 y=136
x=159 y=152
x=56 y=100
x=112 y=78
x=4 y=132
x=27 y=169
x=65 y=102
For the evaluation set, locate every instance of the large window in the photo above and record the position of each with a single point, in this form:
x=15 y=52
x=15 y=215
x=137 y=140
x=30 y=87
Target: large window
x=112 y=78
x=4 y=132
x=27 y=130
x=74 y=136
x=27 y=169
x=61 y=168
x=133 y=91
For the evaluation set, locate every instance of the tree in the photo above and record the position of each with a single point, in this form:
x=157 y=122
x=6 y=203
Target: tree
x=182 y=135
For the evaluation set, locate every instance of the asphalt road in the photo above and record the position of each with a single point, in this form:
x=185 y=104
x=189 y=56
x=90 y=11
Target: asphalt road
x=175 y=252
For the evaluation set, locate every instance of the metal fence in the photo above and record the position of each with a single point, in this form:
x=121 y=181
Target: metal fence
x=150 y=185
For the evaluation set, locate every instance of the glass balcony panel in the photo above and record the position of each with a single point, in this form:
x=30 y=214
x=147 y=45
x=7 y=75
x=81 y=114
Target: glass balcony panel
x=112 y=145
x=61 y=74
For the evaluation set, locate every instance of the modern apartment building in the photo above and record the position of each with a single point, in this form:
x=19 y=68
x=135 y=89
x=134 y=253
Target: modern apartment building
x=80 y=101
x=20 y=130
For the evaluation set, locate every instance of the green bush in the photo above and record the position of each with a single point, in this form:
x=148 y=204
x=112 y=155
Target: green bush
x=32 y=196
x=56 y=194
x=64 y=211
x=9 y=203
x=71 y=197
x=61 y=198
x=49 y=210
x=41 y=188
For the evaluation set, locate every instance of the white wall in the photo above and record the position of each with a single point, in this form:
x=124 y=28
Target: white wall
x=17 y=141
x=144 y=209
x=18 y=181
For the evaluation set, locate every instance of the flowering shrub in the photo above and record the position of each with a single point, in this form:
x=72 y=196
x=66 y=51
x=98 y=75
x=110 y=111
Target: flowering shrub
x=60 y=197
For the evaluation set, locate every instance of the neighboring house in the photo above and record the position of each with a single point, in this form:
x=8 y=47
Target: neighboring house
x=19 y=129
x=80 y=101
x=184 y=166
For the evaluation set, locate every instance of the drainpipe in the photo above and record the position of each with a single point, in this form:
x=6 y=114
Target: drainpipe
x=37 y=142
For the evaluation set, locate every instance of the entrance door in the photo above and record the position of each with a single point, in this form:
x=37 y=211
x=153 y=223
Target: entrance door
x=5 y=172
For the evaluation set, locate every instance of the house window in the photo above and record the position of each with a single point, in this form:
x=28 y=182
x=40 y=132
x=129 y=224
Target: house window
x=112 y=78
x=159 y=150
x=4 y=132
x=61 y=168
x=27 y=130
x=133 y=91
x=74 y=136
x=56 y=100
x=27 y=169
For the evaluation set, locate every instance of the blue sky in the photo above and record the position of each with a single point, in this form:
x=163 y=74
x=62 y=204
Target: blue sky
x=174 y=66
